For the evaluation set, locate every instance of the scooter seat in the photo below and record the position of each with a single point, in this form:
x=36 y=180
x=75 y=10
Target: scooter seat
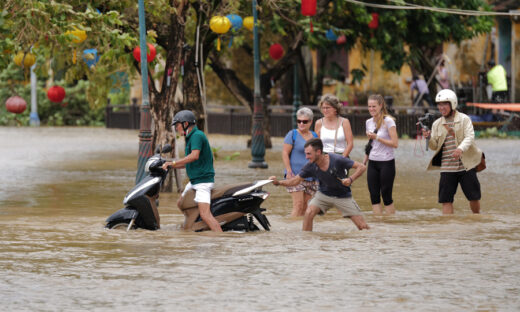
x=188 y=201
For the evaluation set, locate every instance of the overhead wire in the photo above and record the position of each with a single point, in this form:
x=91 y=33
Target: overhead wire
x=408 y=6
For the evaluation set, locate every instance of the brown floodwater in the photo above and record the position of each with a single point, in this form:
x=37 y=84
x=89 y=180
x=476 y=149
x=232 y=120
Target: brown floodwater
x=58 y=185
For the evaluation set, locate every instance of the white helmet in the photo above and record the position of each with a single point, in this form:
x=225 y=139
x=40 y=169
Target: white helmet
x=447 y=95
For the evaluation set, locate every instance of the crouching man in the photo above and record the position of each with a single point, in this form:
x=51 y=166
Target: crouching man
x=334 y=186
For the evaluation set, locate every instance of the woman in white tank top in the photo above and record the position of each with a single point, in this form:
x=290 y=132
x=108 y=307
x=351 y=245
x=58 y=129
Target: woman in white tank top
x=334 y=130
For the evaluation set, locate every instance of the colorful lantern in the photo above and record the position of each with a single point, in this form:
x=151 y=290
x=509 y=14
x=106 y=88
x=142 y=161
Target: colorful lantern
x=150 y=54
x=374 y=23
x=309 y=9
x=25 y=60
x=91 y=57
x=249 y=22
x=276 y=51
x=330 y=35
x=236 y=24
x=219 y=25
x=78 y=36
x=236 y=21
x=56 y=94
x=15 y=104
x=341 y=40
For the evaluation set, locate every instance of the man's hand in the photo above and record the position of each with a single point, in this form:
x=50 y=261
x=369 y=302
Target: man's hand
x=275 y=181
x=456 y=153
x=347 y=181
x=168 y=164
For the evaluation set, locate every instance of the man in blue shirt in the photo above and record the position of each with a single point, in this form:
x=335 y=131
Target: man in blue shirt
x=334 y=187
x=199 y=165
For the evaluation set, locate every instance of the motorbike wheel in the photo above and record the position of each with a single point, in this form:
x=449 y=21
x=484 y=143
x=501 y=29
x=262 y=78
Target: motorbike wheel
x=122 y=225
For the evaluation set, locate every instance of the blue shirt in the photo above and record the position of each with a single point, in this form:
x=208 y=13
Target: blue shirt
x=329 y=180
x=297 y=157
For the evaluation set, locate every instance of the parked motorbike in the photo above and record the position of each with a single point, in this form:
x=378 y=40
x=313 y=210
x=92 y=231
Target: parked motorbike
x=234 y=206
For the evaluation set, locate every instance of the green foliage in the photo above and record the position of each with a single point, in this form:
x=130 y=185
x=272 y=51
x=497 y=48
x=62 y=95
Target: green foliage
x=215 y=151
x=73 y=111
x=492 y=133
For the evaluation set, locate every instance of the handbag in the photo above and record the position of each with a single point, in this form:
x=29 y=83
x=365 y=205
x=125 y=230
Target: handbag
x=368 y=146
x=482 y=164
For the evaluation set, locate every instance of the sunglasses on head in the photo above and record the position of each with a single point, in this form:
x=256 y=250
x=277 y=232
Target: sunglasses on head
x=302 y=121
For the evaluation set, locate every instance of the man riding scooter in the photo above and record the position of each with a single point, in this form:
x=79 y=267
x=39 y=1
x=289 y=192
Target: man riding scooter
x=199 y=165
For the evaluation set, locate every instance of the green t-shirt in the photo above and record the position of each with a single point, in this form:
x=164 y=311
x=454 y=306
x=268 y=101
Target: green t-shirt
x=201 y=170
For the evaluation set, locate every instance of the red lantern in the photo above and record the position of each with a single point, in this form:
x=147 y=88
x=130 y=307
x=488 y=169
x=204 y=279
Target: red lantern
x=309 y=9
x=56 y=94
x=374 y=23
x=341 y=40
x=276 y=51
x=150 y=55
x=15 y=104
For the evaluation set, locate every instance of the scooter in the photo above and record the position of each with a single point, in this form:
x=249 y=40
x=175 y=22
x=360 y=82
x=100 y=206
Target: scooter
x=141 y=202
x=234 y=206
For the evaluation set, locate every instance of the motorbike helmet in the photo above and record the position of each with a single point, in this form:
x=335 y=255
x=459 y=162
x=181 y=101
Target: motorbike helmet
x=182 y=117
x=447 y=95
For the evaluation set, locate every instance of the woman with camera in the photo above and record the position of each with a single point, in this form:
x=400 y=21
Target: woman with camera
x=379 y=152
x=333 y=130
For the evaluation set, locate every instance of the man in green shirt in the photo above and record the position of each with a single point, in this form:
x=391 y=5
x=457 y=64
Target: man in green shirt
x=198 y=163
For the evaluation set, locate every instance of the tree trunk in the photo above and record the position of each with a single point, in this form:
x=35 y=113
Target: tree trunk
x=162 y=101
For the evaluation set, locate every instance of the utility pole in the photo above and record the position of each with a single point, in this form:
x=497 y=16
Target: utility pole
x=257 y=140
x=145 y=132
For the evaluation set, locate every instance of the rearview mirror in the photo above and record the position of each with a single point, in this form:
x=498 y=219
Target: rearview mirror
x=166 y=148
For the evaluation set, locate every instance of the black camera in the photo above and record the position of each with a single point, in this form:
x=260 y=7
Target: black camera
x=426 y=121
x=368 y=147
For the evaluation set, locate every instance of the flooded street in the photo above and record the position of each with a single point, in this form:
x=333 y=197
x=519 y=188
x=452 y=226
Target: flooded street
x=58 y=185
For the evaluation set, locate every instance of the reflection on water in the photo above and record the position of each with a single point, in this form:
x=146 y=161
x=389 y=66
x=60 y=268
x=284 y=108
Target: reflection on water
x=59 y=185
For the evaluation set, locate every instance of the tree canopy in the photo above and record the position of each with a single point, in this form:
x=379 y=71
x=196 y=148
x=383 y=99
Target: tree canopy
x=111 y=26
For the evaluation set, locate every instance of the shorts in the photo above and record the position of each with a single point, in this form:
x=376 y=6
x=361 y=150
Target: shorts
x=309 y=187
x=346 y=205
x=468 y=182
x=202 y=191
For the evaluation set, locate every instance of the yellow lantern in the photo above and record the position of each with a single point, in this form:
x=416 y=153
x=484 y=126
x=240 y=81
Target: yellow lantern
x=249 y=22
x=25 y=60
x=78 y=37
x=219 y=25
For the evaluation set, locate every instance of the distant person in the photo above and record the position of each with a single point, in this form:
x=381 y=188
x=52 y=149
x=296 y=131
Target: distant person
x=382 y=132
x=342 y=91
x=456 y=155
x=293 y=156
x=444 y=76
x=423 y=94
x=334 y=186
x=497 y=78
x=199 y=165
x=334 y=130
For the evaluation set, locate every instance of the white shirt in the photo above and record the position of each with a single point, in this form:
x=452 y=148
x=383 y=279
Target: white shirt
x=327 y=137
x=380 y=151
